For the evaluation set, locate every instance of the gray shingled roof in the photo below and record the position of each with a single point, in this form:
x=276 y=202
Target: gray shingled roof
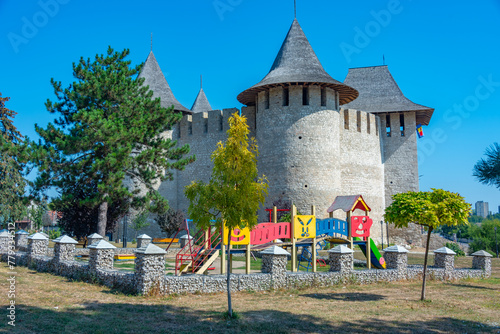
x=297 y=63
x=379 y=93
x=201 y=103
x=154 y=78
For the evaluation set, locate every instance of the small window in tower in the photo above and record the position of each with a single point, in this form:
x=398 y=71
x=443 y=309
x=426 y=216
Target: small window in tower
x=402 y=124
x=323 y=97
x=305 y=96
x=266 y=102
x=346 y=119
x=388 y=125
x=286 y=96
x=221 y=124
x=368 y=123
x=206 y=124
x=190 y=128
x=358 y=120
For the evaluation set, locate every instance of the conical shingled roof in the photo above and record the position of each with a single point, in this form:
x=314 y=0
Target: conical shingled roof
x=379 y=93
x=201 y=103
x=154 y=78
x=297 y=63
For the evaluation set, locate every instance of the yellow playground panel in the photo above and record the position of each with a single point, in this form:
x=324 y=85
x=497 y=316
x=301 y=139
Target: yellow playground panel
x=239 y=236
x=304 y=226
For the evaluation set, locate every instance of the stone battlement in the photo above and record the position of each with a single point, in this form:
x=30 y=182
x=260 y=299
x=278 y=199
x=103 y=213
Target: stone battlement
x=359 y=121
x=203 y=124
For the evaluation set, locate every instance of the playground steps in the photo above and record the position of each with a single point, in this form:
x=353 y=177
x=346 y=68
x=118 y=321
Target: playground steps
x=208 y=262
x=200 y=265
x=198 y=254
x=187 y=266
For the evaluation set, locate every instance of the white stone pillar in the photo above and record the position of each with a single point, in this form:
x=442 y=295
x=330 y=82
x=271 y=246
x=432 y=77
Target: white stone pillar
x=150 y=270
x=341 y=259
x=101 y=255
x=143 y=240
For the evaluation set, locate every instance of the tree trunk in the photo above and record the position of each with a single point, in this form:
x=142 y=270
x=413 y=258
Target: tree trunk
x=102 y=219
x=229 y=306
x=425 y=262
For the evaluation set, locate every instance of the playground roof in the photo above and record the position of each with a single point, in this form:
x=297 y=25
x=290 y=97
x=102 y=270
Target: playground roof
x=349 y=203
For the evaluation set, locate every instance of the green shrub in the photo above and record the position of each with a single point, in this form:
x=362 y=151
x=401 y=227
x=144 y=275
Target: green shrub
x=456 y=248
x=53 y=234
x=483 y=236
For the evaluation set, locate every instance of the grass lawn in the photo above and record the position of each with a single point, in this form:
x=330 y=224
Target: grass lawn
x=46 y=303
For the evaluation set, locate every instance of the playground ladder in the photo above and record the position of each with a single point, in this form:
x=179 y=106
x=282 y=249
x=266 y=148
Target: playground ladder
x=199 y=254
x=306 y=256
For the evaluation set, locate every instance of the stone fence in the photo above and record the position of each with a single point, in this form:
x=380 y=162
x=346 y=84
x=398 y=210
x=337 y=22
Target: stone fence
x=149 y=277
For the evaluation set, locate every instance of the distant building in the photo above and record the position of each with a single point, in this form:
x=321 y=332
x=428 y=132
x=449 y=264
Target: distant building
x=23 y=224
x=50 y=219
x=482 y=209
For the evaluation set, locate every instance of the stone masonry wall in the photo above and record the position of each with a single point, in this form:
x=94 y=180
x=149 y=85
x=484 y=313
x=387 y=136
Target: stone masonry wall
x=37 y=247
x=304 y=150
x=400 y=168
x=150 y=272
x=138 y=282
x=101 y=258
x=361 y=166
x=64 y=252
x=299 y=148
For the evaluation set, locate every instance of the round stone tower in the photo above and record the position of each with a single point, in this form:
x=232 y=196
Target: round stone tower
x=297 y=125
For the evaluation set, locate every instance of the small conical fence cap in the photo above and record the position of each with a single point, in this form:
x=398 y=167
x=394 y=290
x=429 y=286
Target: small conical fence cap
x=101 y=244
x=151 y=249
x=341 y=249
x=396 y=249
x=275 y=250
x=444 y=250
x=64 y=239
x=482 y=253
x=38 y=236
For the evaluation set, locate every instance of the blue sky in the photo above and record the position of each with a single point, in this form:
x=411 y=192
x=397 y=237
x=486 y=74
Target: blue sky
x=442 y=54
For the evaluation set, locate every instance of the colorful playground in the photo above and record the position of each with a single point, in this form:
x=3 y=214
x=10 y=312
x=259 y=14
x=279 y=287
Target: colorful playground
x=302 y=235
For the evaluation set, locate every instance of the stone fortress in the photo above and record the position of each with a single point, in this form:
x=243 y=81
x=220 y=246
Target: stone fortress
x=318 y=138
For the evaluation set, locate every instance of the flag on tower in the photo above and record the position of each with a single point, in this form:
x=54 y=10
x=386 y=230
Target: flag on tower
x=420 y=131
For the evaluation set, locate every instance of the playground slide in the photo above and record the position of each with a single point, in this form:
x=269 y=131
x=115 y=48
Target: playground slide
x=377 y=259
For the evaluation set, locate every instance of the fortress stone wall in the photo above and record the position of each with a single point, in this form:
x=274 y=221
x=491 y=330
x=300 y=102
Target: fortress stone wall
x=309 y=153
x=318 y=138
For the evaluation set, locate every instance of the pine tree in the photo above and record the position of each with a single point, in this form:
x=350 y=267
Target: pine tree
x=487 y=170
x=109 y=130
x=12 y=153
x=78 y=215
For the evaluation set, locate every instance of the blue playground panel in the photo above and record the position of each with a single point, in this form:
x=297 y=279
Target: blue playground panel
x=331 y=226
